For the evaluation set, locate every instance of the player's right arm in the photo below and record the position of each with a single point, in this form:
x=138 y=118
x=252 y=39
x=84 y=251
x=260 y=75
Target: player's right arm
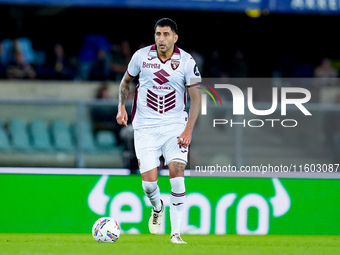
x=132 y=71
x=122 y=116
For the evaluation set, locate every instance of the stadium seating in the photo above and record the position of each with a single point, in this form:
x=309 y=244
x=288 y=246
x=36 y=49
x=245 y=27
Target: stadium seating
x=86 y=135
x=4 y=141
x=106 y=141
x=61 y=136
x=41 y=143
x=58 y=136
x=40 y=136
x=19 y=136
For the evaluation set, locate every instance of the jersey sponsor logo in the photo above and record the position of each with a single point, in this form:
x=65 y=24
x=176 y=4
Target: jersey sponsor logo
x=150 y=65
x=161 y=104
x=161 y=77
x=161 y=87
x=174 y=64
x=196 y=72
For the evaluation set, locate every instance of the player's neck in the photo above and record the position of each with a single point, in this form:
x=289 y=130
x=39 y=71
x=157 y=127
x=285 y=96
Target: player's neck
x=164 y=56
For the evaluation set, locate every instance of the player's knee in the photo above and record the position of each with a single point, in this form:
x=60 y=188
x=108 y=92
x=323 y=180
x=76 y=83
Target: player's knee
x=150 y=175
x=149 y=187
x=176 y=168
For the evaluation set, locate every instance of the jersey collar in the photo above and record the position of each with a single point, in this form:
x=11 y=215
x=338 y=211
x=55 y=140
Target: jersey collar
x=175 y=56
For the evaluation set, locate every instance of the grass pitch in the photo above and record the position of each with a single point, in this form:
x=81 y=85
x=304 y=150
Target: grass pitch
x=82 y=244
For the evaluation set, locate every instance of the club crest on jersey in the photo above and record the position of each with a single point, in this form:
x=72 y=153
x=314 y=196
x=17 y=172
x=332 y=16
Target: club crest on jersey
x=174 y=64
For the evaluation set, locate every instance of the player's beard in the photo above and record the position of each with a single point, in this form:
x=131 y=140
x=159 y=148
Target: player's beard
x=164 y=50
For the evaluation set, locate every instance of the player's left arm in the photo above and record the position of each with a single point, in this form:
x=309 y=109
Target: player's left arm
x=194 y=110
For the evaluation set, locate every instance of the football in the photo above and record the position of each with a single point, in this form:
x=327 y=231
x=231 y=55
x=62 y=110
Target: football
x=106 y=230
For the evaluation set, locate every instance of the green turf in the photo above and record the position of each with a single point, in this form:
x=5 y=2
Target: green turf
x=82 y=244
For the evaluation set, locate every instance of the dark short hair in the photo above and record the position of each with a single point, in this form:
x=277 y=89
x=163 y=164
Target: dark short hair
x=166 y=22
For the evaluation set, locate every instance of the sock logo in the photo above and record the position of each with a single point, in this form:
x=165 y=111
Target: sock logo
x=178 y=194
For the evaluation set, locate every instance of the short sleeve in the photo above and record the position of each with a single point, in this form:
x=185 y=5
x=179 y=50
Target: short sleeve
x=192 y=74
x=134 y=66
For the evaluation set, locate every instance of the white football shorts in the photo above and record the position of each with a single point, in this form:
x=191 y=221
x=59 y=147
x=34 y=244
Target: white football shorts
x=153 y=142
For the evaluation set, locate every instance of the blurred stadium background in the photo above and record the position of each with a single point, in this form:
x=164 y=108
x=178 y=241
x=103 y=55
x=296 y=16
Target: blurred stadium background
x=60 y=66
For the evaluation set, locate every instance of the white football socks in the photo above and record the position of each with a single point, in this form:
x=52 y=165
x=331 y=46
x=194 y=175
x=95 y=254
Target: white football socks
x=177 y=199
x=151 y=190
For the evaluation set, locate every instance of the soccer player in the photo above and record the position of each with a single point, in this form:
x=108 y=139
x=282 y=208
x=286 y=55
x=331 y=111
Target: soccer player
x=161 y=124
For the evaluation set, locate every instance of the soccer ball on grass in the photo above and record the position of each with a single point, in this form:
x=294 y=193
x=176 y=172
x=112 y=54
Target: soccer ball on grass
x=106 y=230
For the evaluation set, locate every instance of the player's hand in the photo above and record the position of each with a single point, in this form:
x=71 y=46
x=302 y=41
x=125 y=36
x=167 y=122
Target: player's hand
x=185 y=138
x=122 y=116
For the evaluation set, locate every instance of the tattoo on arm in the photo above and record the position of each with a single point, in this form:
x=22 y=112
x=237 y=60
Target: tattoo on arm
x=124 y=88
x=123 y=92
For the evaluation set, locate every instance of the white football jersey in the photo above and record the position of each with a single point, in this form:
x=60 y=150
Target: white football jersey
x=160 y=96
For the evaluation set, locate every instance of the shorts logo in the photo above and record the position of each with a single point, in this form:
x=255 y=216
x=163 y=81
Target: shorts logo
x=183 y=148
x=174 y=64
